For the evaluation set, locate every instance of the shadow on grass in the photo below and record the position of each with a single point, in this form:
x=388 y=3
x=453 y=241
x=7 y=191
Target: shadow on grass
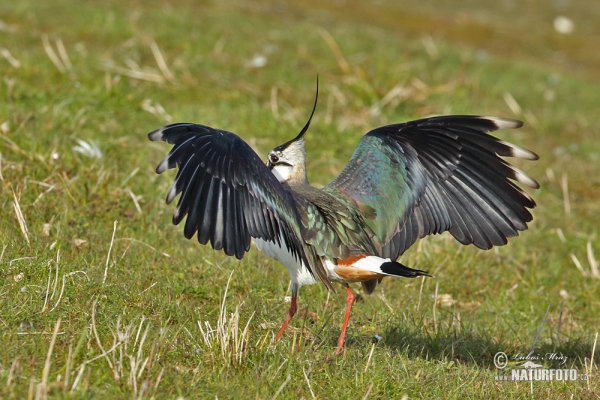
x=470 y=347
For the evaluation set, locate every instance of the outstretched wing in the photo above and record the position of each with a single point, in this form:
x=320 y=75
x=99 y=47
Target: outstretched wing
x=439 y=174
x=228 y=193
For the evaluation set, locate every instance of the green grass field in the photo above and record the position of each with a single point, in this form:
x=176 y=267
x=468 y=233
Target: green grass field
x=101 y=297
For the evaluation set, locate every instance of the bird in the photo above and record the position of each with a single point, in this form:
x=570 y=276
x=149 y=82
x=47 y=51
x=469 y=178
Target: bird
x=403 y=182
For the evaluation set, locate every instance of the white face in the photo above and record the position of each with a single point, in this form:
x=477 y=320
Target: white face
x=282 y=172
x=286 y=164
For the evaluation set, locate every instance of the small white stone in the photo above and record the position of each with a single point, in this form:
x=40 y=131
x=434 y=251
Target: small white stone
x=564 y=25
x=257 y=61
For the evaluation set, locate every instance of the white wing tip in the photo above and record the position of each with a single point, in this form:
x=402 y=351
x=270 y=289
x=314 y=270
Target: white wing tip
x=520 y=152
x=172 y=192
x=156 y=135
x=163 y=165
x=525 y=179
x=515 y=151
x=504 y=123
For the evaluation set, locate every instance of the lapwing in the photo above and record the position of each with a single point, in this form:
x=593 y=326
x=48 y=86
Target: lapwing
x=404 y=181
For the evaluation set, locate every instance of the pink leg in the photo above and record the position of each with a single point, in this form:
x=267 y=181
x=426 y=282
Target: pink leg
x=349 y=302
x=290 y=314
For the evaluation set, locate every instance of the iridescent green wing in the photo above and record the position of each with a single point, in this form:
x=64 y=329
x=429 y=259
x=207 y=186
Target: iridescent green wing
x=439 y=174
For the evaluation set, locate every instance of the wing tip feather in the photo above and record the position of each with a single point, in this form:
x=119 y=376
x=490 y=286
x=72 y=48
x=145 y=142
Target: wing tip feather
x=525 y=179
x=520 y=152
x=514 y=150
x=503 y=123
x=172 y=192
x=163 y=165
x=157 y=135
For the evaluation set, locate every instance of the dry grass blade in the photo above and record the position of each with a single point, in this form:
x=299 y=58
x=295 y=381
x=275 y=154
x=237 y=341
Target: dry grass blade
x=12 y=371
x=86 y=362
x=162 y=64
x=561 y=235
x=308 y=383
x=9 y=57
x=420 y=294
x=594 y=271
x=20 y=217
x=564 y=184
x=592 y=260
x=135 y=199
x=42 y=387
x=335 y=49
x=12 y=145
x=137 y=74
x=395 y=93
x=369 y=358
x=368 y=392
x=47 y=293
x=51 y=188
x=512 y=104
x=62 y=288
x=97 y=337
x=283 y=385
x=578 y=265
x=64 y=56
x=148 y=288
x=56 y=275
x=52 y=55
x=112 y=240
x=156 y=109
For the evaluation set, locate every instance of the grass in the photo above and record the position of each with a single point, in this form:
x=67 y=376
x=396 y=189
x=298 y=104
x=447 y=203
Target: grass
x=101 y=297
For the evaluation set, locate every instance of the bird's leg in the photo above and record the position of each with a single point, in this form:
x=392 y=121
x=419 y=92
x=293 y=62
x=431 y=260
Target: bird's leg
x=349 y=302
x=290 y=314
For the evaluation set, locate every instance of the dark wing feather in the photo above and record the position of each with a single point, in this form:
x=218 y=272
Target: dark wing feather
x=443 y=174
x=228 y=193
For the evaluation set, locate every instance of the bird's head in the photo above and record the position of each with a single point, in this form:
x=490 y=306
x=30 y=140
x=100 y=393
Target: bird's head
x=288 y=161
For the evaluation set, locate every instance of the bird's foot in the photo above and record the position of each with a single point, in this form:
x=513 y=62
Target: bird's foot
x=342 y=340
x=290 y=314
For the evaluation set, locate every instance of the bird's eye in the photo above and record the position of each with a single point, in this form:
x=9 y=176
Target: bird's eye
x=274 y=159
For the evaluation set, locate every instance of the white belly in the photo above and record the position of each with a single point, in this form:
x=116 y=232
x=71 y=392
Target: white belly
x=299 y=274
